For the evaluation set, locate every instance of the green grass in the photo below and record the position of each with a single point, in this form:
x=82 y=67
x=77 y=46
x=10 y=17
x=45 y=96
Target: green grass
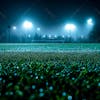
x=50 y=76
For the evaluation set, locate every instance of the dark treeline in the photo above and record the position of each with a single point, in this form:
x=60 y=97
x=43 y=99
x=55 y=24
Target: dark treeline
x=17 y=37
x=93 y=38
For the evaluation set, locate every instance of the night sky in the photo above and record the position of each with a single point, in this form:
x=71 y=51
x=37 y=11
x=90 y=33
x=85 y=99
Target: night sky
x=48 y=13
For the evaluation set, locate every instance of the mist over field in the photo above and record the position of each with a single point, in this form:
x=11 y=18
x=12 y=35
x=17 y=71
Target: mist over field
x=50 y=47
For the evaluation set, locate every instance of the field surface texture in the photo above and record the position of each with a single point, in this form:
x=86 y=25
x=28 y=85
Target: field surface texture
x=51 y=47
x=49 y=75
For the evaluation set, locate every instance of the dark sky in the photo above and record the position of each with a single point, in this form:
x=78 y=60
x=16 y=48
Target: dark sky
x=47 y=12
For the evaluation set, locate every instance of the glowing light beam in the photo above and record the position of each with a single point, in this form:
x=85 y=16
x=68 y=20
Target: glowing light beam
x=70 y=27
x=27 y=25
x=90 y=22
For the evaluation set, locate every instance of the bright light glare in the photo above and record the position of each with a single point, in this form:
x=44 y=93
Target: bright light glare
x=90 y=21
x=70 y=27
x=38 y=29
x=49 y=35
x=14 y=27
x=27 y=25
x=63 y=36
x=55 y=36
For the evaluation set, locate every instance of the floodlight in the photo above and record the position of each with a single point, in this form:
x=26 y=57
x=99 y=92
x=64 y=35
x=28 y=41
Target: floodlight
x=90 y=22
x=70 y=27
x=27 y=25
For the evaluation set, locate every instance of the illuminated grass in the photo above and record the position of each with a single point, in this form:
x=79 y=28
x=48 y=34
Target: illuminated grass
x=50 y=47
x=58 y=76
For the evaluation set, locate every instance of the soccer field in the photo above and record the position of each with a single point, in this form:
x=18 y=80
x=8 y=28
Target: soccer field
x=50 y=71
x=50 y=47
x=49 y=76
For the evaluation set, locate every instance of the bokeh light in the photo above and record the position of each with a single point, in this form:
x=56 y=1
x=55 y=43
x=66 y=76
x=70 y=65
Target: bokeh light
x=14 y=27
